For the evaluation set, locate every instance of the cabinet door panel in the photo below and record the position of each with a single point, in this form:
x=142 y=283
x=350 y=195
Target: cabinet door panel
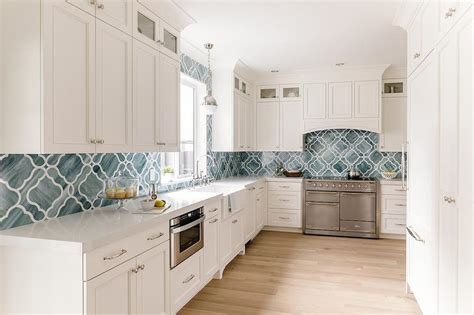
x=114 y=89
x=315 y=101
x=85 y=5
x=394 y=124
x=168 y=114
x=367 y=99
x=117 y=13
x=152 y=280
x=340 y=100
x=291 y=126
x=211 y=245
x=69 y=79
x=145 y=97
x=250 y=216
x=236 y=232
x=225 y=247
x=268 y=129
x=113 y=292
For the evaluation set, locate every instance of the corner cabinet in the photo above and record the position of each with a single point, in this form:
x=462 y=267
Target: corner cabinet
x=98 y=89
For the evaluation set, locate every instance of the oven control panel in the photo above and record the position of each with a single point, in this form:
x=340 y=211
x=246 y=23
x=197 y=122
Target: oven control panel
x=341 y=185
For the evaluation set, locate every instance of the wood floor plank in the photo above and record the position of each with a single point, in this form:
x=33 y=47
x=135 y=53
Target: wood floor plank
x=288 y=273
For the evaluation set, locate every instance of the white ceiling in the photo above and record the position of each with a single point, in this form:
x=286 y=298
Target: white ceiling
x=298 y=35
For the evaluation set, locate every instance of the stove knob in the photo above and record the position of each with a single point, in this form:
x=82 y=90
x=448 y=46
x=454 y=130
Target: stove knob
x=327 y=185
x=333 y=185
x=320 y=185
x=352 y=186
x=366 y=186
x=339 y=186
x=345 y=185
x=358 y=186
x=314 y=185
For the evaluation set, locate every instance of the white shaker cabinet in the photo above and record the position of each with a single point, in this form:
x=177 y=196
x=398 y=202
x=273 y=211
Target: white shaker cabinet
x=394 y=124
x=291 y=126
x=315 y=101
x=69 y=79
x=211 y=247
x=146 y=72
x=117 y=13
x=366 y=99
x=340 y=100
x=236 y=232
x=268 y=126
x=168 y=131
x=138 y=286
x=250 y=218
x=114 y=89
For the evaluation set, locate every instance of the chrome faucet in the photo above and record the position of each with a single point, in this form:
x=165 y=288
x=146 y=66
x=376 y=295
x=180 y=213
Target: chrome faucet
x=199 y=174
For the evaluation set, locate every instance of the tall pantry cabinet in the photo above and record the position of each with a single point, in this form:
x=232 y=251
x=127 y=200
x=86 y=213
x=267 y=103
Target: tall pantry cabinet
x=80 y=58
x=439 y=191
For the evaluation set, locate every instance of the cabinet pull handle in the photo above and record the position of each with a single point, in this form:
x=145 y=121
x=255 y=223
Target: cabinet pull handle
x=159 y=42
x=284 y=218
x=141 y=267
x=93 y=141
x=135 y=270
x=258 y=199
x=400 y=205
x=152 y=238
x=417 y=55
x=235 y=221
x=401 y=190
x=122 y=252
x=100 y=141
x=191 y=277
x=284 y=200
x=414 y=234
x=449 y=199
x=214 y=221
x=213 y=210
x=357 y=226
x=284 y=186
x=161 y=143
x=400 y=224
x=101 y=6
x=92 y=2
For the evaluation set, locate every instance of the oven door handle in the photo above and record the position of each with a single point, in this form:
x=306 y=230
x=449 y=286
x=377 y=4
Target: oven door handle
x=179 y=229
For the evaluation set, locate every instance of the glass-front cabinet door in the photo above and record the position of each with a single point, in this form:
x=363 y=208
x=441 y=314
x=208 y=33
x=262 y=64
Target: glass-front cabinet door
x=146 y=26
x=290 y=92
x=169 y=40
x=268 y=93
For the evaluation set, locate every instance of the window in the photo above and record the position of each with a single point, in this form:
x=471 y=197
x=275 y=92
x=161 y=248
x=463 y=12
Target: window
x=178 y=166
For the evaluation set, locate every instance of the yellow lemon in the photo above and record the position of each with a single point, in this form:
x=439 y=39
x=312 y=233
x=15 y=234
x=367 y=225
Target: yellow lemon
x=160 y=203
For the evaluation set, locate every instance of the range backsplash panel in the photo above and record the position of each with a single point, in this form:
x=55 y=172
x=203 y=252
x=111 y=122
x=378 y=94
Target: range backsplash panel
x=328 y=153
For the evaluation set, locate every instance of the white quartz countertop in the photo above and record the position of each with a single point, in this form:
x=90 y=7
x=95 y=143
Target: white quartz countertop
x=86 y=231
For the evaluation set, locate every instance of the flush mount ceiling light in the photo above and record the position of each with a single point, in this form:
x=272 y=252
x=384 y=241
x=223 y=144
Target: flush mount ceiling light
x=209 y=102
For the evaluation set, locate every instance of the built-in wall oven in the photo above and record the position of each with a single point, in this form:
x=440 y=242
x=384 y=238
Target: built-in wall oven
x=187 y=235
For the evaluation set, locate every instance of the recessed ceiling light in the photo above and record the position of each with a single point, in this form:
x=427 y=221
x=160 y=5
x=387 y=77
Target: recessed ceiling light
x=339 y=64
x=275 y=71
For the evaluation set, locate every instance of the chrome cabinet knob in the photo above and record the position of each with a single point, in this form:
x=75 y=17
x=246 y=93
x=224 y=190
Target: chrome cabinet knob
x=449 y=199
x=100 y=141
x=417 y=55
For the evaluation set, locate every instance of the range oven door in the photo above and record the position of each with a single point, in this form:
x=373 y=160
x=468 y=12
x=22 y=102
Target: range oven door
x=322 y=216
x=186 y=240
x=357 y=206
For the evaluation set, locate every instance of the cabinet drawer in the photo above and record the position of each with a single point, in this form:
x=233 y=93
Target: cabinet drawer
x=357 y=226
x=284 y=200
x=392 y=190
x=109 y=256
x=212 y=209
x=393 y=204
x=282 y=186
x=284 y=218
x=186 y=280
x=392 y=224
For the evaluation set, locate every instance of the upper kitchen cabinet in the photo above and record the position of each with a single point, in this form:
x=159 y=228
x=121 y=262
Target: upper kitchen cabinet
x=367 y=99
x=268 y=126
x=269 y=93
x=68 y=80
x=151 y=25
x=291 y=92
x=234 y=120
x=340 y=100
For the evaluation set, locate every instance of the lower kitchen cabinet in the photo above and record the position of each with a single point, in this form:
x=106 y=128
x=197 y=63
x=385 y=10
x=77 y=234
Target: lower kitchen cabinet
x=211 y=247
x=186 y=281
x=236 y=232
x=285 y=204
x=250 y=218
x=138 y=286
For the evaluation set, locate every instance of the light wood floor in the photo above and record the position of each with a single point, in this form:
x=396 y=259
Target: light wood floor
x=286 y=273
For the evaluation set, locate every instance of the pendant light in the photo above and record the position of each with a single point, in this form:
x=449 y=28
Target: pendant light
x=210 y=102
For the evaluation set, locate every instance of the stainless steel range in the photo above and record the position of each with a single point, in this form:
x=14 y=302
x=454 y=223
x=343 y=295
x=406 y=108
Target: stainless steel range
x=340 y=207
